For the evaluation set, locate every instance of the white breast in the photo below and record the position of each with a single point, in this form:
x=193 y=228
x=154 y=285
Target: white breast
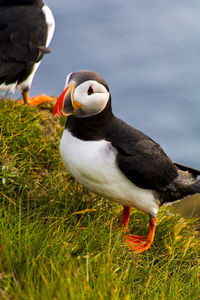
x=50 y=23
x=93 y=164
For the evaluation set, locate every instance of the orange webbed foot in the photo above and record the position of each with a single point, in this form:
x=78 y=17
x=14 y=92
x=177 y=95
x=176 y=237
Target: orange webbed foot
x=137 y=243
x=141 y=243
x=33 y=101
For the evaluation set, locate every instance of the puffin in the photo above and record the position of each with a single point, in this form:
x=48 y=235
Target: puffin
x=115 y=160
x=26 y=29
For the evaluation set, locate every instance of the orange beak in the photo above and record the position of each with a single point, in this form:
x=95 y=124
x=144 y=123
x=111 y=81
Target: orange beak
x=66 y=104
x=58 y=108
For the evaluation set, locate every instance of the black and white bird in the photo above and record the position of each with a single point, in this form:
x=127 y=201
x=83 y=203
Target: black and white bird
x=26 y=29
x=115 y=160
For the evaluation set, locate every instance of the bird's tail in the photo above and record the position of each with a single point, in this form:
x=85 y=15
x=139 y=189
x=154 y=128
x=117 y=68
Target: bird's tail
x=183 y=192
x=192 y=189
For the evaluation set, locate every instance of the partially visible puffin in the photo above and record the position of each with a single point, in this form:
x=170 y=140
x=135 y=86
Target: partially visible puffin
x=26 y=29
x=115 y=160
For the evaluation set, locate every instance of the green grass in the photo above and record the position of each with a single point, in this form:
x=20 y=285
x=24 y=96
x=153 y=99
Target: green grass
x=57 y=239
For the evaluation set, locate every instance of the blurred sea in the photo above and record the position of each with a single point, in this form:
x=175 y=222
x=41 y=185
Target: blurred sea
x=147 y=51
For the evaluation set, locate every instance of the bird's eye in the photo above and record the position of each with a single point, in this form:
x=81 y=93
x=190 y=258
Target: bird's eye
x=90 y=91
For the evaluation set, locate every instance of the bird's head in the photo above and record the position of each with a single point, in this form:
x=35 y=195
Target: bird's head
x=86 y=94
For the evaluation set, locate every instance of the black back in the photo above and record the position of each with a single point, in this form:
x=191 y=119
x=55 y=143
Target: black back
x=38 y=3
x=140 y=158
x=23 y=30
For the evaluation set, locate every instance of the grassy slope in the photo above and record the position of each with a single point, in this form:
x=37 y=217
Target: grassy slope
x=56 y=238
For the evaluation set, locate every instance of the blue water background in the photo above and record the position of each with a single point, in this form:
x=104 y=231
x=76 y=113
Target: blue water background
x=147 y=51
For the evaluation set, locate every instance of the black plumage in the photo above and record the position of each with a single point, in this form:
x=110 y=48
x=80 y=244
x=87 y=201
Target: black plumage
x=116 y=160
x=140 y=158
x=23 y=38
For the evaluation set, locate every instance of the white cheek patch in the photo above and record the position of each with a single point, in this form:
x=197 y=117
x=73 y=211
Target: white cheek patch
x=98 y=102
x=94 y=103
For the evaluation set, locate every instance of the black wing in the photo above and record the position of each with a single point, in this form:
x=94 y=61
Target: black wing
x=141 y=159
x=23 y=34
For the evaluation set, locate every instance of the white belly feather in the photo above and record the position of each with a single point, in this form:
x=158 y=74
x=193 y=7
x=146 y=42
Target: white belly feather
x=93 y=164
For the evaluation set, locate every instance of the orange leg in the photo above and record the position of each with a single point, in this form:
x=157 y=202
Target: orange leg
x=36 y=100
x=125 y=218
x=141 y=243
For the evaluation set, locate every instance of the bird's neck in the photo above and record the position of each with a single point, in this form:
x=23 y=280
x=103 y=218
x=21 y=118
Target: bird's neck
x=93 y=127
